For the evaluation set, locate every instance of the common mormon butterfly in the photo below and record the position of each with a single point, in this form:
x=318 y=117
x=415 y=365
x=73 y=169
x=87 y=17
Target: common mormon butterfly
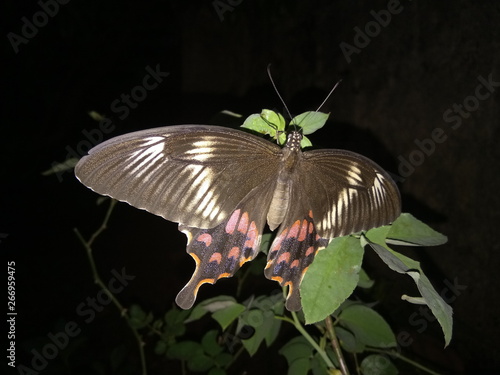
x=223 y=185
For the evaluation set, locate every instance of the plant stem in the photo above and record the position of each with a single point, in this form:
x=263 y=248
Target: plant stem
x=311 y=341
x=395 y=354
x=336 y=345
x=97 y=279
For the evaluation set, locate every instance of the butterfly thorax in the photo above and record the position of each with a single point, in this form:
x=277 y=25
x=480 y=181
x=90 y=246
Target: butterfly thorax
x=281 y=196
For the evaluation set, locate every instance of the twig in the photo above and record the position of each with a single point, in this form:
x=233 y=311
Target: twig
x=311 y=341
x=395 y=354
x=336 y=345
x=97 y=279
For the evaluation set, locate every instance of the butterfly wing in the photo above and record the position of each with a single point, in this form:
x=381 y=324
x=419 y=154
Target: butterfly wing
x=333 y=193
x=347 y=192
x=219 y=252
x=195 y=175
x=293 y=250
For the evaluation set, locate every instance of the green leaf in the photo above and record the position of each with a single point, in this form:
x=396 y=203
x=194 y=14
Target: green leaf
x=200 y=362
x=331 y=278
x=138 y=317
x=262 y=322
x=160 y=347
x=217 y=371
x=209 y=343
x=305 y=142
x=210 y=305
x=402 y=264
x=299 y=367
x=364 y=280
x=184 y=350
x=228 y=314
x=267 y=122
x=368 y=326
x=407 y=230
x=296 y=349
x=376 y=364
x=223 y=359
x=348 y=341
x=310 y=121
x=277 y=310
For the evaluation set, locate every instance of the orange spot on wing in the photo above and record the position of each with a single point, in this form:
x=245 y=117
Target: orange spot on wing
x=205 y=238
x=226 y=274
x=244 y=260
x=277 y=278
x=231 y=223
x=310 y=214
x=200 y=283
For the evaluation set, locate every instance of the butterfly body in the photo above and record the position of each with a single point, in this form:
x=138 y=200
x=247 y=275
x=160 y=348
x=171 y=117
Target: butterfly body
x=222 y=185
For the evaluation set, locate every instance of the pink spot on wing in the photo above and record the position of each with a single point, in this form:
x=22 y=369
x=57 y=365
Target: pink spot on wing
x=309 y=251
x=216 y=257
x=295 y=263
x=294 y=230
x=251 y=235
x=205 y=238
x=311 y=228
x=243 y=224
x=231 y=223
x=285 y=257
x=303 y=231
x=277 y=242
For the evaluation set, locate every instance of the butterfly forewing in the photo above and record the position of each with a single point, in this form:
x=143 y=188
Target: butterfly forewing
x=347 y=192
x=191 y=174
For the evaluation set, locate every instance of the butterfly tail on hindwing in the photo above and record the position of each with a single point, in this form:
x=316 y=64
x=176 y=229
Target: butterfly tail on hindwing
x=220 y=251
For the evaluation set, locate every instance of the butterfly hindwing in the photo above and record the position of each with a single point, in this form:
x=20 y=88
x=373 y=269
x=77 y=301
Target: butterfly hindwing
x=219 y=252
x=291 y=253
x=191 y=174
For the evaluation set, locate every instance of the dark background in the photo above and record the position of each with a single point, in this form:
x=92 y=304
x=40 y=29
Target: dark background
x=394 y=91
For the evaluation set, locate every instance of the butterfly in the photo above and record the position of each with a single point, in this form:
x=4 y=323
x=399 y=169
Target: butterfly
x=223 y=185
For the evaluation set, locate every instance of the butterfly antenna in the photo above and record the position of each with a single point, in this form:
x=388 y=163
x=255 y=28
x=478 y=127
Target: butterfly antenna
x=331 y=92
x=275 y=89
